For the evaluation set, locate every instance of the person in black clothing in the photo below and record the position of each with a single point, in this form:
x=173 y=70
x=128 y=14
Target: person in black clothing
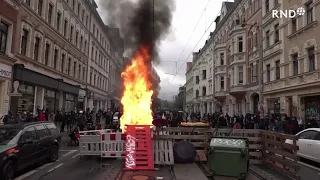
x=98 y=117
x=81 y=120
x=7 y=118
x=70 y=121
x=59 y=117
x=64 y=121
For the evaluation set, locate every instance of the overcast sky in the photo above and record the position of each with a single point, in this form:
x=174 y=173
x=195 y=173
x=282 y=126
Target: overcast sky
x=184 y=22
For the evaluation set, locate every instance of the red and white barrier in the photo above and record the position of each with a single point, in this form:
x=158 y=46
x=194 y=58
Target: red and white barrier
x=90 y=142
x=113 y=145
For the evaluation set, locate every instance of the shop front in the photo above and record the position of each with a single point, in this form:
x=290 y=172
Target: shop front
x=312 y=109
x=41 y=92
x=5 y=79
x=82 y=99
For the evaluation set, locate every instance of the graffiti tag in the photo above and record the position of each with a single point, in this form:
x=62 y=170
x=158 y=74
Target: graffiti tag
x=130 y=150
x=228 y=142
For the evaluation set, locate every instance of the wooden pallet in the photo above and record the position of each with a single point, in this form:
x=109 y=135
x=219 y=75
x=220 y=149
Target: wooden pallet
x=163 y=152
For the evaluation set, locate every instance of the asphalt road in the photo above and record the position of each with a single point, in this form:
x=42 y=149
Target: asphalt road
x=71 y=166
x=308 y=172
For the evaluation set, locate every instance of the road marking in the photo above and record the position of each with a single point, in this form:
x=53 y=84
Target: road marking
x=67 y=154
x=23 y=176
x=64 y=150
x=56 y=167
x=75 y=156
x=309 y=166
x=44 y=166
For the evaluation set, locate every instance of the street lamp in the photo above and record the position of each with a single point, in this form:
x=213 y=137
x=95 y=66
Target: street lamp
x=260 y=60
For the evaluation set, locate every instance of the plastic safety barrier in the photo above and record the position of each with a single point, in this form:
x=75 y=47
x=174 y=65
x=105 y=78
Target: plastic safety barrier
x=113 y=145
x=139 y=153
x=90 y=142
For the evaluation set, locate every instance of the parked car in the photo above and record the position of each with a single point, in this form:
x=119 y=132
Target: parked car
x=25 y=144
x=308 y=141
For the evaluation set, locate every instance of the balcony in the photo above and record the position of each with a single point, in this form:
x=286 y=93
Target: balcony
x=235 y=29
x=220 y=95
x=220 y=46
x=238 y=91
x=237 y=58
x=220 y=69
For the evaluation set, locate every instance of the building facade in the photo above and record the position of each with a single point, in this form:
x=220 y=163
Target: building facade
x=292 y=87
x=219 y=67
x=189 y=88
x=247 y=35
x=52 y=55
x=56 y=55
x=8 y=27
x=105 y=59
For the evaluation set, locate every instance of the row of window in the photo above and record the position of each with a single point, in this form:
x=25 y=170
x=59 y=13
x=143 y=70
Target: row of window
x=295 y=65
x=99 y=58
x=52 y=56
x=96 y=79
x=66 y=28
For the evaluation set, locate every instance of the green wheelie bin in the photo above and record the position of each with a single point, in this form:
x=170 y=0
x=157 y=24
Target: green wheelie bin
x=228 y=157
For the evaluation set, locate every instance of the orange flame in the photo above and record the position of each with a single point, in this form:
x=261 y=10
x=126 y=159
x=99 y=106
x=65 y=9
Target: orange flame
x=136 y=99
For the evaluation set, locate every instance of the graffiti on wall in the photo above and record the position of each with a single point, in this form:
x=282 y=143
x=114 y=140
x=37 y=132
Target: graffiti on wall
x=312 y=110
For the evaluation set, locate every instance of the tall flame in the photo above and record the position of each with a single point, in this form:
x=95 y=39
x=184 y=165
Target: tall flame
x=136 y=99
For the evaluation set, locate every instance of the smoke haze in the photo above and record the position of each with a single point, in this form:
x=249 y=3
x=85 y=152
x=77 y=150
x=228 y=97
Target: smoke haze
x=141 y=23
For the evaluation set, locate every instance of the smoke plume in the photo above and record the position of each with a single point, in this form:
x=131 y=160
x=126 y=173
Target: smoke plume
x=141 y=22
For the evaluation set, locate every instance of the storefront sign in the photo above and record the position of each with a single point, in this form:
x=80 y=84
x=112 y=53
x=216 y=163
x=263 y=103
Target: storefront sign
x=130 y=152
x=82 y=94
x=5 y=71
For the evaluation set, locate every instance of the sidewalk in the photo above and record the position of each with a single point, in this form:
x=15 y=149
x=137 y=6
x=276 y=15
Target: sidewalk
x=188 y=172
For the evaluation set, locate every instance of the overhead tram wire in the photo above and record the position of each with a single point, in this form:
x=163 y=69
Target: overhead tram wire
x=178 y=70
x=194 y=29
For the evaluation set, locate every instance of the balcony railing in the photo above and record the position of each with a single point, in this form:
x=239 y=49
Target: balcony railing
x=237 y=88
x=236 y=28
x=220 y=94
x=220 y=45
x=220 y=69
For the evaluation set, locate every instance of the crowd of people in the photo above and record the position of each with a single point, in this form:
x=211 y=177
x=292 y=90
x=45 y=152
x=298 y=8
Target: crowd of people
x=173 y=118
x=67 y=121
x=274 y=122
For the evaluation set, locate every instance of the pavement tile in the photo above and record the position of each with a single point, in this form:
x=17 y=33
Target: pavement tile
x=160 y=173
x=188 y=172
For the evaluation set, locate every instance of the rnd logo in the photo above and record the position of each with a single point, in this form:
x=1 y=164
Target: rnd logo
x=288 y=13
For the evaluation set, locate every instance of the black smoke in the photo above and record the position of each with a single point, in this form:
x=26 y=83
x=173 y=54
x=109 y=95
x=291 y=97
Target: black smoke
x=141 y=22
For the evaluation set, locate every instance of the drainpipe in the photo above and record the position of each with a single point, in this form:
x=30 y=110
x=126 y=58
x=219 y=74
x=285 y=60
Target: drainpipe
x=261 y=71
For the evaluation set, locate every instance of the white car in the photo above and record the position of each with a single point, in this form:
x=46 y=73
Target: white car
x=309 y=144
